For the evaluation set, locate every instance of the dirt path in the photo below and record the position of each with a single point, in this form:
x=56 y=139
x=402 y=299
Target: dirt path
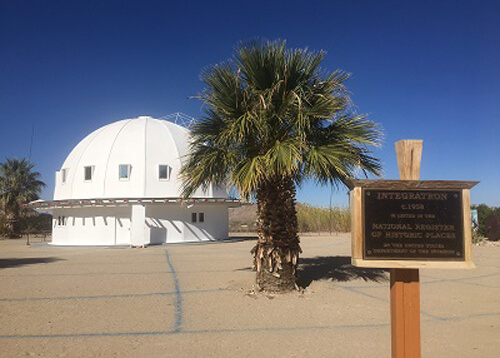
x=195 y=301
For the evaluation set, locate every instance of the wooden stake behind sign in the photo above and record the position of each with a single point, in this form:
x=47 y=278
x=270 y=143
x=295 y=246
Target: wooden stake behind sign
x=405 y=283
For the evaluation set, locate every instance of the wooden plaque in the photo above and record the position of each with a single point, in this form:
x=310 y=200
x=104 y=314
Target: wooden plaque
x=411 y=224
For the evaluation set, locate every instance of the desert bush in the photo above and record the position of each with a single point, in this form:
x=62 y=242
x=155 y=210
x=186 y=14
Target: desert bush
x=477 y=238
x=3 y=226
x=492 y=227
x=484 y=212
x=30 y=222
x=35 y=223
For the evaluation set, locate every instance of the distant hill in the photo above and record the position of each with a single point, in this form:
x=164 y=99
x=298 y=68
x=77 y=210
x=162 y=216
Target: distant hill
x=243 y=218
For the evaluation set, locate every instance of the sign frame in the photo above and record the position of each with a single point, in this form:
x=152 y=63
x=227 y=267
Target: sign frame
x=357 y=189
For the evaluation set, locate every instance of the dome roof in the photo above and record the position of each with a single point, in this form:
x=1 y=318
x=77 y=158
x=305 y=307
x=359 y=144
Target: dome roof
x=132 y=158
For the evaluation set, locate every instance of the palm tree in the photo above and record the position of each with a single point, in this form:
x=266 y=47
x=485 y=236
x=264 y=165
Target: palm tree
x=18 y=184
x=274 y=118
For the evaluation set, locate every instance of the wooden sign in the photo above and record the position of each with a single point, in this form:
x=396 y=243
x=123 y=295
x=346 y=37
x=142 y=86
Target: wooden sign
x=406 y=225
x=411 y=223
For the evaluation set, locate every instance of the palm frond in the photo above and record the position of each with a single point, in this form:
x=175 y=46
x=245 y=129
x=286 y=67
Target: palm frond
x=19 y=184
x=274 y=112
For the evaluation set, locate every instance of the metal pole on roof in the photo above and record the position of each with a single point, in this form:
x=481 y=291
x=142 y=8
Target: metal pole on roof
x=31 y=141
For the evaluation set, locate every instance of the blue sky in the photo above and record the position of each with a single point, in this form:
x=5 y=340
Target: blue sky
x=422 y=69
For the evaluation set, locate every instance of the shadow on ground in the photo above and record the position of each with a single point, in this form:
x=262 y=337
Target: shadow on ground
x=6 y=263
x=335 y=268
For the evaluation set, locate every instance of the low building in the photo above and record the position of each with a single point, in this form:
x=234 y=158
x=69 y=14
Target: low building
x=120 y=186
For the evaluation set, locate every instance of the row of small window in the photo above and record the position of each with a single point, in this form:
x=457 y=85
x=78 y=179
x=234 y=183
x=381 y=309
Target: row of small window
x=61 y=221
x=124 y=172
x=195 y=217
x=198 y=217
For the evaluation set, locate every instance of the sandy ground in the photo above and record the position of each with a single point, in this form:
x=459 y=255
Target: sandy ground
x=196 y=301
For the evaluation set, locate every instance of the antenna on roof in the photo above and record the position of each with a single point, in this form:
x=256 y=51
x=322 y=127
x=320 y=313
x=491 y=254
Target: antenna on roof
x=180 y=118
x=31 y=141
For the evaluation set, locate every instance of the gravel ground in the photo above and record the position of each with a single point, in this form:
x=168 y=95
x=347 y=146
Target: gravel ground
x=197 y=301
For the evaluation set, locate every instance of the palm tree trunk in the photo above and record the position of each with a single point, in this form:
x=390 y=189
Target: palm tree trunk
x=12 y=224
x=276 y=254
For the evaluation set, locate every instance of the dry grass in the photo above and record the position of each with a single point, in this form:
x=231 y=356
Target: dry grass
x=310 y=218
x=321 y=219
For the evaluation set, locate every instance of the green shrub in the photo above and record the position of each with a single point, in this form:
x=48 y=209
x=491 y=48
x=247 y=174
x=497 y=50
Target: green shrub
x=484 y=212
x=30 y=222
x=35 y=223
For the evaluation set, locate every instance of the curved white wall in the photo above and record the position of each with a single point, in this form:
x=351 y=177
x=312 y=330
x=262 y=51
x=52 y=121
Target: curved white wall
x=111 y=226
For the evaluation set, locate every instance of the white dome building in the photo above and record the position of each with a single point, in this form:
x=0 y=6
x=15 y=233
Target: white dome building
x=120 y=186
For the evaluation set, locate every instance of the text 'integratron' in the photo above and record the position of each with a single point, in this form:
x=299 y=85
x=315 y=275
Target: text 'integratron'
x=411 y=196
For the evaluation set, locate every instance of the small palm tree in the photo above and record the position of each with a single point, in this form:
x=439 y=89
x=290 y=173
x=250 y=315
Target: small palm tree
x=18 y=184
x=273 y=119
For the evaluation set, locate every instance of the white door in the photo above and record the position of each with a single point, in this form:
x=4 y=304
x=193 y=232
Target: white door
x=122 y=230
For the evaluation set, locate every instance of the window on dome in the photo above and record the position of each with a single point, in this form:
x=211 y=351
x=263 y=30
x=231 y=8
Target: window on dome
x=124 y=171
x=201 y=217
x=193 y=217
x=64 y=174
x=164 y=172
x=88 y=173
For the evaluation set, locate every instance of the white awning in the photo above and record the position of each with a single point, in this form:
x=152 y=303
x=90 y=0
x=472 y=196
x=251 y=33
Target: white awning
x=80 y=203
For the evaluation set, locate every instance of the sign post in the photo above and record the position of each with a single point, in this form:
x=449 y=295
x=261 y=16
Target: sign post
x=405 y=283
x=405 y=225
